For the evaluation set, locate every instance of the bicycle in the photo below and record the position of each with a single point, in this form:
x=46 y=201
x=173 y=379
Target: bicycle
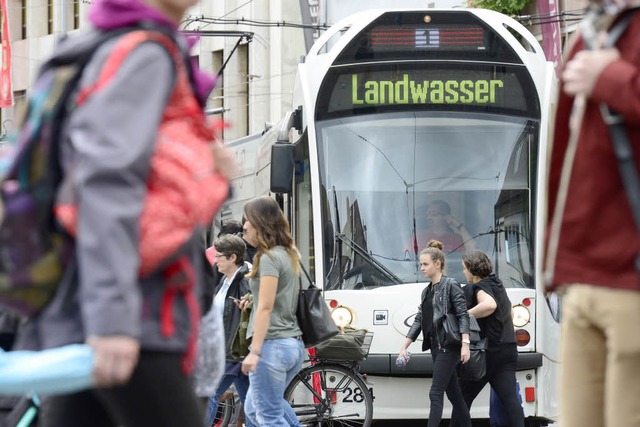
x=331 y=391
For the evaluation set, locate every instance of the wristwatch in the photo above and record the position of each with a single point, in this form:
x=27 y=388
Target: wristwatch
x=466 y=341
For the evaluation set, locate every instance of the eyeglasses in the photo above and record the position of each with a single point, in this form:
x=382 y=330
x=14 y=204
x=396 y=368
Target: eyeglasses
x=435 y=213
x=221 y=256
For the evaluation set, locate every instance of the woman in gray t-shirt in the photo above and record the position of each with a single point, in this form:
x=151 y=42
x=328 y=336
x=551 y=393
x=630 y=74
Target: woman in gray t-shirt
x=277 y=351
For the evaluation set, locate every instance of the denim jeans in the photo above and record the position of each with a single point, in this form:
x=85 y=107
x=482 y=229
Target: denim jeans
x=445 y=378
x=280 y=361
x=241 y=382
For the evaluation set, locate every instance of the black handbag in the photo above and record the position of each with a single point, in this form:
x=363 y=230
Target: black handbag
x=452 y=330
x=314 y=317
x=476 y=368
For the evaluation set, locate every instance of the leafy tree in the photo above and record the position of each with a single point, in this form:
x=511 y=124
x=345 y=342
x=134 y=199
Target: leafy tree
x=508 y=7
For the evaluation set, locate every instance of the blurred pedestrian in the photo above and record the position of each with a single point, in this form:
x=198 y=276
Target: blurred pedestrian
x=142 y=328
x=593 y=241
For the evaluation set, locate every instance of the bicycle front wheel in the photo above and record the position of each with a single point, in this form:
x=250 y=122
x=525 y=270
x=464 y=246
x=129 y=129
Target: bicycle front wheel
x=330 y=395
x=226 y=409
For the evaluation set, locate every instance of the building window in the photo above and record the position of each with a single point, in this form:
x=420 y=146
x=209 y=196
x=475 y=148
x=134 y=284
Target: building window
x=23 y=18
x=76 y=14
x=71 y=10
x=243 y=92
x=216 y=98
x=19 y=105
x=49 y=16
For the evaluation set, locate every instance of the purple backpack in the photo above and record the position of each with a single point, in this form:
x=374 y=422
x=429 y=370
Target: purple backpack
x=34 y=248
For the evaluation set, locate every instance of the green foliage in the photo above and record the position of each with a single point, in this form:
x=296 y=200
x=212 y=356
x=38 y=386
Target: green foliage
x=508 y=7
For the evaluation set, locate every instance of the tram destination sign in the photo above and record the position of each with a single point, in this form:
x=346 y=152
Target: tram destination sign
x=486 y=87
x=439 y=91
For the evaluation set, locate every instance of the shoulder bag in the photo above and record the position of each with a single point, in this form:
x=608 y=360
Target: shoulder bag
x=452 y=328
x=314 y=317
x=476 y=368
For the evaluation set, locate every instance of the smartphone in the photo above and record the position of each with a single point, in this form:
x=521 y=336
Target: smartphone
x=235 y=299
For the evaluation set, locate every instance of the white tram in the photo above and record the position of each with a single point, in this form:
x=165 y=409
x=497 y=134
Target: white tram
x=403 y=116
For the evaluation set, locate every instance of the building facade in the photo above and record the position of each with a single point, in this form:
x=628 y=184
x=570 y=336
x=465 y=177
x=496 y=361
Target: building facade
x=254 y=88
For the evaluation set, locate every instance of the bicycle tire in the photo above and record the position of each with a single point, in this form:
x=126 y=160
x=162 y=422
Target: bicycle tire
x=226 y=410
x=340 y=398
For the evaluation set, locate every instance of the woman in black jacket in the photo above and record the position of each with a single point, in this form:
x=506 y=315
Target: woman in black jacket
x=492 y=307
x=230 y=252
x=443 y=295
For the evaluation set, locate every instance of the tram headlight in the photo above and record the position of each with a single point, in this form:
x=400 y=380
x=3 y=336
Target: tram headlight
x=342 y=316
x=520 y=315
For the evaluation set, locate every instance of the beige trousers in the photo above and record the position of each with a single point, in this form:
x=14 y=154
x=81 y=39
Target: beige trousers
x=600 y=370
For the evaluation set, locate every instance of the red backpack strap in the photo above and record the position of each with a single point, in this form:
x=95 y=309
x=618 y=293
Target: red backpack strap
x=123 y=47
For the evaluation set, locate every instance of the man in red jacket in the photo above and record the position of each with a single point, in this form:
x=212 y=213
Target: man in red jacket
x=592 y=238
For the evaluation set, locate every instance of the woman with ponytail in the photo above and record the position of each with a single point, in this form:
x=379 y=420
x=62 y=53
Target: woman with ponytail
x=434 y=306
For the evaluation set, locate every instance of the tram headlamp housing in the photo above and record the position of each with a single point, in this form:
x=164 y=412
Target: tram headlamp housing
x=520 y=315
x=342 y=316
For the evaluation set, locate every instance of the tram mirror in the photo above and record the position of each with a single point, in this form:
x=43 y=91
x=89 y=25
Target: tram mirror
x=329 y=239
x=281 y=168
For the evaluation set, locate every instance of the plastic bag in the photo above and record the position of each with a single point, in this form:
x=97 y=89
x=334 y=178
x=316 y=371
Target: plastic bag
x=211 y=353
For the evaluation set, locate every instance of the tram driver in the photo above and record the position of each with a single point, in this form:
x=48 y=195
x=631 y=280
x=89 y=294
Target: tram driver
x=445 y=228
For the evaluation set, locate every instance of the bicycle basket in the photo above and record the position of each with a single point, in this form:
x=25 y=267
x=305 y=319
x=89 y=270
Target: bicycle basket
x=352 y=344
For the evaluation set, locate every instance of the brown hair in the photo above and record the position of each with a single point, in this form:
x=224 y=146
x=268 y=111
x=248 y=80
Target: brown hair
x=478 y=263
x=434 y=250
x=229 y=244
x=272 y=229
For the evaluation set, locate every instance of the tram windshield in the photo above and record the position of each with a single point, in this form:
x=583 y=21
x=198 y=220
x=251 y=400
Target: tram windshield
x=394 y=181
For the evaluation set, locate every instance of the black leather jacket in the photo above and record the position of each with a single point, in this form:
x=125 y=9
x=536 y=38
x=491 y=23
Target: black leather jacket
x=231 y=314
x=456 y=303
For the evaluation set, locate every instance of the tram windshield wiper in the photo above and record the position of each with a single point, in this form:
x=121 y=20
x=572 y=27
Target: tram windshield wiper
x=369 y=258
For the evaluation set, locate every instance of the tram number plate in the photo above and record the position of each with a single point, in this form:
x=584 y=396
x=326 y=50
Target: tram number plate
x=355 y=395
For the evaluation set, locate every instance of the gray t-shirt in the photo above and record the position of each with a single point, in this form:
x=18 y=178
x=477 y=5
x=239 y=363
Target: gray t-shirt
x=283 y=324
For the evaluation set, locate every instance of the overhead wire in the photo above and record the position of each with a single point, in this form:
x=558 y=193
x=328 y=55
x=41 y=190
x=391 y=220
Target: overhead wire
x=570 y=16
